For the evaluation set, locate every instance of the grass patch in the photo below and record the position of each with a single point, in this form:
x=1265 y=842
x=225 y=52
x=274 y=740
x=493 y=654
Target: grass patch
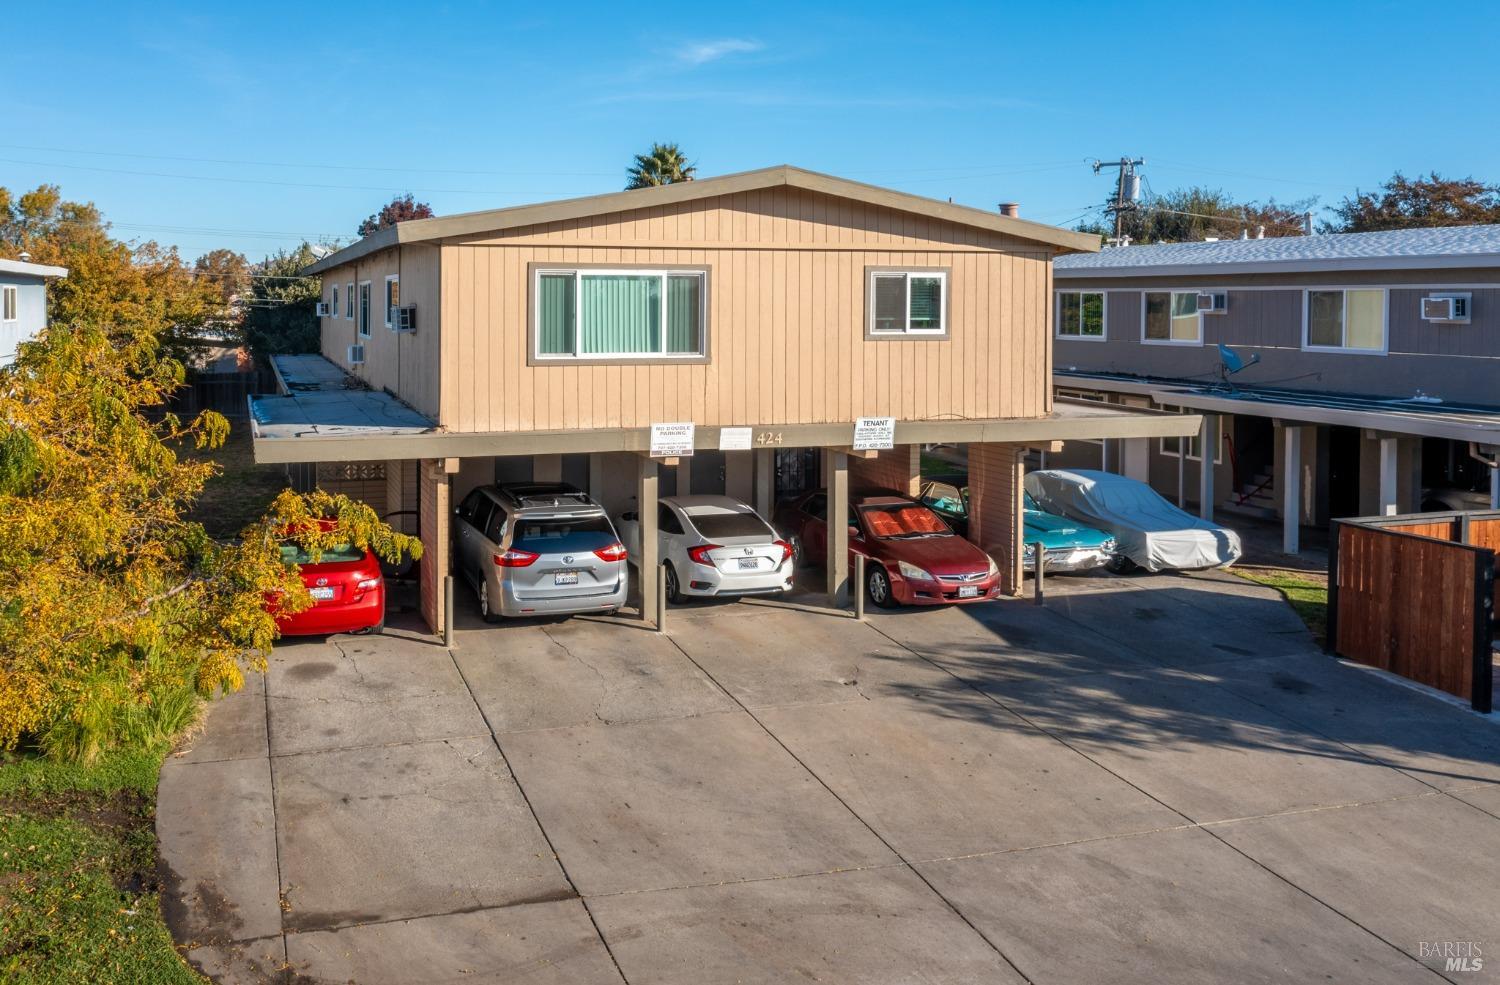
x=79 y=898
x=240 y=493
x=1307 y=593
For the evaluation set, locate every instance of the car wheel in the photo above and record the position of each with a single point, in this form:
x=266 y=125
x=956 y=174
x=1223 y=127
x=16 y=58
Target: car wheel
x=674 y=589
x=798 y=558
x=878 y=587
x=484 y=603
x=1120 y=565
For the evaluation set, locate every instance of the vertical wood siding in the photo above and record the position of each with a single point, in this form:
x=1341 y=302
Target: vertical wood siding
x=786 y=320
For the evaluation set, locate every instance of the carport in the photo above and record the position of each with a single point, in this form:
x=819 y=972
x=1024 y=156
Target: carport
x=322 y=418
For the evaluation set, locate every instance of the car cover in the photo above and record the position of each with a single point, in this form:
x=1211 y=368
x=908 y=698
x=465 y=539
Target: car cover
x=1147 y=529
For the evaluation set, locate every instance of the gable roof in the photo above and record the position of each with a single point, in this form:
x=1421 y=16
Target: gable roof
x=1394 y=249
x=781 y=176
x=31 y=269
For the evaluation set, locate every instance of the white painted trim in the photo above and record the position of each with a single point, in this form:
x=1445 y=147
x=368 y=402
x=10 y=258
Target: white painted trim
x=364 y=311
x=1444 y=262
x=1385 y=321
x=1198 y=343
x=337 y=304
x=579 y=273
x=1057 y=332
x=941 y=275
x=349 y=300
x=385 y=295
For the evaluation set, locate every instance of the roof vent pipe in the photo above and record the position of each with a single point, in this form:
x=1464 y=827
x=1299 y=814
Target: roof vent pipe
x=1260 y=232
x=1012 y=209
x=1244 y=234
x=1307 y=219
x=25 y=257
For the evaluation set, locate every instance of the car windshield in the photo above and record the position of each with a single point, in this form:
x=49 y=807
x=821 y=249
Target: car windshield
x=713 y=525
x=295 y=554
x=1031 y=504
x=901 y=521
x=553 y=535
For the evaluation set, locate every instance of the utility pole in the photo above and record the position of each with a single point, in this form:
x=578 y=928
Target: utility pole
x=1127 y=187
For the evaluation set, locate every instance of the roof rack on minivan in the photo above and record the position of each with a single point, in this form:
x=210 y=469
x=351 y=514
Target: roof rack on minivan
x=547 y=494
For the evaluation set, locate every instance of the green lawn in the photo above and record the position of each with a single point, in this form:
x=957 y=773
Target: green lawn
x=79 y=900
x=240 y=493
x=1306 y=592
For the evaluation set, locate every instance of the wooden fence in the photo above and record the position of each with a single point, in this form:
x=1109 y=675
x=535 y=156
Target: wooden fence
x=1416 y=595
x=227 y=393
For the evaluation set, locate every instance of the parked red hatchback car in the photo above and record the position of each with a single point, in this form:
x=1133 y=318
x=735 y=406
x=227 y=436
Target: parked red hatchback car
x=913 y=556
x=347 y=589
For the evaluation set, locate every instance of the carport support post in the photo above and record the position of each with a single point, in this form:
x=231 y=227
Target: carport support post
x=836 y=480
x=1208 y=445
x=1495 y=487
x=859 y=583
x=647 y=561
x=765 y=482
x=1291 y=489
x=1388 y=448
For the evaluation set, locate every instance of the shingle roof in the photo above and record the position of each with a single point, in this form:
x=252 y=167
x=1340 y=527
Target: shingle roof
x=1444 y=246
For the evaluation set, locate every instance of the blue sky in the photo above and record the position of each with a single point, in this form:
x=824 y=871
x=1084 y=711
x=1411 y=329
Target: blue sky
x=253 y=126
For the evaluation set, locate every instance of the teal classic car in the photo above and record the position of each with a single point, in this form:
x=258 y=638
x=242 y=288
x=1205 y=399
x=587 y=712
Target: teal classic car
x=1067 y=545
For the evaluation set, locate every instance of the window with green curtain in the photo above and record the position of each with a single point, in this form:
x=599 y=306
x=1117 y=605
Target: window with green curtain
x=556 y=320
x=1364 y=319
x=684 y=312
x=926 y=301
x=1185 y=321
x=1067 y=313
x=621 y=314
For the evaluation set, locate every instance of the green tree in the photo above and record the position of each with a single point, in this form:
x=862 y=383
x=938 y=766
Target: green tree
x=399 y=209
x=280 y=311
x=664 y=164
x=1406 y=203
x=117 y=612
x=116 y=285
x=1187 y=215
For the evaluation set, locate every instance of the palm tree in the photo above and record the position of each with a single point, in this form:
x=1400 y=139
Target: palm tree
x=664 y=165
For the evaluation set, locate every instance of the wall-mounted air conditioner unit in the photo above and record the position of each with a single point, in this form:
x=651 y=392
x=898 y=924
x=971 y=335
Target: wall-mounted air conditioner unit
x=324 y=309
x=356 y=355
x=404 y=318
x=1452 y=308
x=1213 y=302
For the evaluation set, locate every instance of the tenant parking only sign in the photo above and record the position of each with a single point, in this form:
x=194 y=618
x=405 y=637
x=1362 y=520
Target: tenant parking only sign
x=673 y=440
x=874 y=432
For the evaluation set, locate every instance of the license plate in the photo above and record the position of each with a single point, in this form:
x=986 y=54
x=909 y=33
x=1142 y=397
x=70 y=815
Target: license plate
x=322 y=594
x=566 y=578
x=968 y=591
x=749 y=563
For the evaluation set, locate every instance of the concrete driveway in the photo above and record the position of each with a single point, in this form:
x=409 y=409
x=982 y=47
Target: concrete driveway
x=1149 y=780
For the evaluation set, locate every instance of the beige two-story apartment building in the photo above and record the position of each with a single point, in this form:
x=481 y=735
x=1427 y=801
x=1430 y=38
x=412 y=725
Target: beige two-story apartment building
x=774 y=308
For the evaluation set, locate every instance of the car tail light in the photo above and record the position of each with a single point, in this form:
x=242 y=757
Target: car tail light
x=367 y=584
x=515 y=558
x=699 y=554
x=786 y=551
x=614 y=552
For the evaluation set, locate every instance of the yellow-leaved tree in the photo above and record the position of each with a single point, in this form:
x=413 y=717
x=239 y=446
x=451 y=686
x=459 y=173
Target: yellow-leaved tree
x=117 y=612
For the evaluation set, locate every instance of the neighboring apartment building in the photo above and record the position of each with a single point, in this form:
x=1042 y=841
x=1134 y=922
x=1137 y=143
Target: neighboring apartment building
x=23 y=303
x=770 y=309
x=1371 y=368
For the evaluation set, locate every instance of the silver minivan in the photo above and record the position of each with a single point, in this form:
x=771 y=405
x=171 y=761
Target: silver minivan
x=533 y=549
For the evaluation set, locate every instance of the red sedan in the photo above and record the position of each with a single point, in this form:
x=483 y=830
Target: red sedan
x=913 y=556
x=347 y=589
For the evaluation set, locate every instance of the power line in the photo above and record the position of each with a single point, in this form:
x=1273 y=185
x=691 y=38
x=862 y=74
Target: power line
x=306 y=164
x=267 y=181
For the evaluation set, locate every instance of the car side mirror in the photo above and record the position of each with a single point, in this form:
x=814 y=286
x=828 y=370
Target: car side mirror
x=855 y=532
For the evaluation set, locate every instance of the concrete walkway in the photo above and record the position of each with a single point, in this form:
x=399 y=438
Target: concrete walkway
x=1153 y=779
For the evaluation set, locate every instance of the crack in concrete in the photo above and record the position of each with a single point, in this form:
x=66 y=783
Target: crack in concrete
x=604 y=684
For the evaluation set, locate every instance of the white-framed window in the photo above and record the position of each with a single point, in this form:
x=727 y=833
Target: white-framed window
x=907 y=302
x=1080 y=315
x=1171 y=318
x=1093 y=395
x=1172 y=447
x=619 y=313
x=334 y=308
x=1345 y=319
x=364 y=309
x=10 y=303
x=392 y=298
x=349 y=300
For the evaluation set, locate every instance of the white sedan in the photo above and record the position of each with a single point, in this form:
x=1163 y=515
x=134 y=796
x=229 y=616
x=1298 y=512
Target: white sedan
x=713 y=545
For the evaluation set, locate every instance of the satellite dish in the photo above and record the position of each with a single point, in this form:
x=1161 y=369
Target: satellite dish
x=1230 y=362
